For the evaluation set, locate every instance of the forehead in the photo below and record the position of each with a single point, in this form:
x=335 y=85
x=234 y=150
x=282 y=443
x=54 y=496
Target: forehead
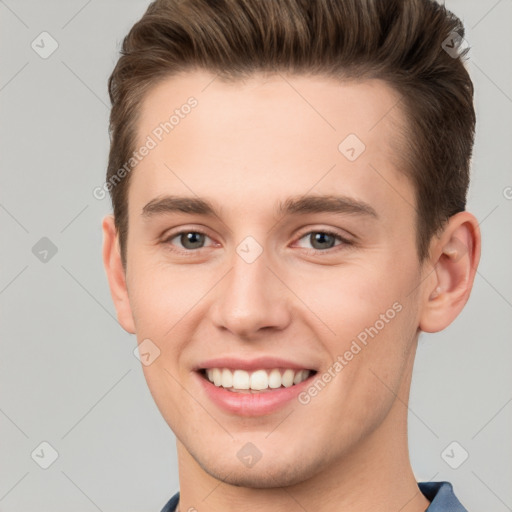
x=279 y=133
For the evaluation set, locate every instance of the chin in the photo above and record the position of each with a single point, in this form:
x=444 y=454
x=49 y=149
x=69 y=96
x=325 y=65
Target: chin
x=264 y=474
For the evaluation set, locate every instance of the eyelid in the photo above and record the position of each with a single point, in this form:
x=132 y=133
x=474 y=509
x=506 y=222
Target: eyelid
x=178 y=230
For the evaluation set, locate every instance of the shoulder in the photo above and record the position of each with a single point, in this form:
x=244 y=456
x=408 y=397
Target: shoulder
x=170 y=506
x=441 y=496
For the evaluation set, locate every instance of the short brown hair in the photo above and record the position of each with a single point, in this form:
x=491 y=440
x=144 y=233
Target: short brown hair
x=402 y=42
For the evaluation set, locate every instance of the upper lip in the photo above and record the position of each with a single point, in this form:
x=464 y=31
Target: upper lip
x=258 y=363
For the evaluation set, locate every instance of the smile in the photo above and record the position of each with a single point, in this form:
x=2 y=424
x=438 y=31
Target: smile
x=257 y=381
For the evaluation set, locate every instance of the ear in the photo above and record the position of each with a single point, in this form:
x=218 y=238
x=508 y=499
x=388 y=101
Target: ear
x=455 y=258
x=116 y=274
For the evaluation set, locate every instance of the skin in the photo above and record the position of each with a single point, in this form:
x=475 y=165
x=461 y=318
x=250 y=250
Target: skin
x=245 y=147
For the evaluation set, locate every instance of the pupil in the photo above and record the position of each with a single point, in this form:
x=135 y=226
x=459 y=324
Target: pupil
x=322 y=238
x=191 y=240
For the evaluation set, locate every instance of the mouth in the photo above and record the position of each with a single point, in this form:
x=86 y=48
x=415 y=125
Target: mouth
x=264 y=380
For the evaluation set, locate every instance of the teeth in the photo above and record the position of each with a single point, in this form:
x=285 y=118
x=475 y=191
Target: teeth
x=227 y=378
x=241 y=379
x=298 y=377
x=287 y=378
x=217 y=376
x=258 y=380
x=274 y=379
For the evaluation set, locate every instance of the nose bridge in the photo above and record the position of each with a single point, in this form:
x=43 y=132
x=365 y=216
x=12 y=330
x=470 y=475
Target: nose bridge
x=250 y=297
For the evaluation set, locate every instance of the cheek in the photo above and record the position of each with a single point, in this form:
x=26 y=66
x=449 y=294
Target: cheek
x=369 y=324
x=349 y=299
x=163 y=384
x=162 y=297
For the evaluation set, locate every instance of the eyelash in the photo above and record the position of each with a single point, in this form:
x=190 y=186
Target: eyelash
x=344 y=242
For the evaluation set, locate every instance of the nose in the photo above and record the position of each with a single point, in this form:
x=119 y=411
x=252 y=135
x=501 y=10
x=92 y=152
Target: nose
x=251 y=298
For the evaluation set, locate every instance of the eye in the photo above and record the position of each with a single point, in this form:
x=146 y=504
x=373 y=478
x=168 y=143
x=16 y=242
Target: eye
x=323 y=240
x=189 y=240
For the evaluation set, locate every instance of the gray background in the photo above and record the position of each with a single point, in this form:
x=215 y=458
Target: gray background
x=68 y=375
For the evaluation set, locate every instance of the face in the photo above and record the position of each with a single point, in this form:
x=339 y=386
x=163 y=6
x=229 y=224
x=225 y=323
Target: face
x=295 y=251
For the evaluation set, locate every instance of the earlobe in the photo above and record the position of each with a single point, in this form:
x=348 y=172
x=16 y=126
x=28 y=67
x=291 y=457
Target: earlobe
x=116 y=275
x=456 y=257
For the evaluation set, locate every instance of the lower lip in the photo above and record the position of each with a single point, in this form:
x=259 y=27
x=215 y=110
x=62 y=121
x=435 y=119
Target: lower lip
x=252 y=404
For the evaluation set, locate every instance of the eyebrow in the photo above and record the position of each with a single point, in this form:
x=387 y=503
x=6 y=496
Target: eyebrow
x=325 y=203
x=171 y=204
x=292 y=206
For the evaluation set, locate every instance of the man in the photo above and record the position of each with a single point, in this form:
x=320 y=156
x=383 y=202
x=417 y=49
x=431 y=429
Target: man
x=289 y=183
